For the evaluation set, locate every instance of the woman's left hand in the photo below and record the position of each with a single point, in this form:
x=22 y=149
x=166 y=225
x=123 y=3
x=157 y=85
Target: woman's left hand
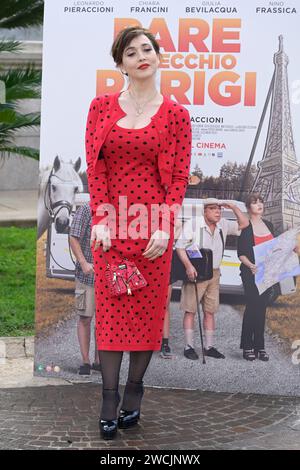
x=297 y=247
x=157 y=245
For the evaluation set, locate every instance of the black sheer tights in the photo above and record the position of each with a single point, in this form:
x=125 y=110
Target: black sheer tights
x=110 y=369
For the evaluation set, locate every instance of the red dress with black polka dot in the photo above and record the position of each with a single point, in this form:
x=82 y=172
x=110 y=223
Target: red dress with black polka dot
x=132 y=322
x=134 y=163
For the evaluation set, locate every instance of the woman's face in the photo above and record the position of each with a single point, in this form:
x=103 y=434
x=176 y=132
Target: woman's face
x=140 y=60
x=257 y=207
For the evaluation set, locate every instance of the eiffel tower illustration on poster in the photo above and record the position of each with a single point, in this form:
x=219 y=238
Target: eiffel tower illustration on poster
x=278 y=175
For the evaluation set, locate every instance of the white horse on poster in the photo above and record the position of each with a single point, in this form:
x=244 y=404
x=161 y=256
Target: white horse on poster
x=57 y=188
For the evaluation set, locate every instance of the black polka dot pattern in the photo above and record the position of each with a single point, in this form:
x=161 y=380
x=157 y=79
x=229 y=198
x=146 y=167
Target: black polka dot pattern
x=134 y=322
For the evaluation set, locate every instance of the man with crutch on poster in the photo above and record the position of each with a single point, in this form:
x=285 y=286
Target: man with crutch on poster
x=200 y=250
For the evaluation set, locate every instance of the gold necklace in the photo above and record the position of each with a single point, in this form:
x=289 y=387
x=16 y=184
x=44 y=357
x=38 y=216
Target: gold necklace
x=139 y=108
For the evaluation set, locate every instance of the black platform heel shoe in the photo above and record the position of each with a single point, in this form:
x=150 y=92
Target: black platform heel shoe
x=109 y=427
x=130 y=418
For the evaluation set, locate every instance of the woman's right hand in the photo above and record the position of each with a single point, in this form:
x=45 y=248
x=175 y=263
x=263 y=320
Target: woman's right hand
x=253 y=268
x=191 y=272
x=100 y=235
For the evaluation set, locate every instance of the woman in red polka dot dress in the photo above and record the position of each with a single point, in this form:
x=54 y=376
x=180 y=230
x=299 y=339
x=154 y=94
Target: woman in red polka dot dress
x=138 y=150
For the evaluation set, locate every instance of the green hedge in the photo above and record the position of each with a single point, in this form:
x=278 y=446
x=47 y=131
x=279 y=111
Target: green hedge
x=17 y=280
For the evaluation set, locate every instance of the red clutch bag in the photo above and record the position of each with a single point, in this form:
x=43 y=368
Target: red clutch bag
x=123 y=277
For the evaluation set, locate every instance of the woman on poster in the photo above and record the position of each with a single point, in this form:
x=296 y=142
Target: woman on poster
x=258 y=231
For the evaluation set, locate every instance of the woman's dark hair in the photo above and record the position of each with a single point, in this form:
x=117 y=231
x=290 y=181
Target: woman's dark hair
x=252 y=198
x=125 y=37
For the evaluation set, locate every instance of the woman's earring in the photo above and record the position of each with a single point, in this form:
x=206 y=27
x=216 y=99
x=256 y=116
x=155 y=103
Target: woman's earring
x=124 y=73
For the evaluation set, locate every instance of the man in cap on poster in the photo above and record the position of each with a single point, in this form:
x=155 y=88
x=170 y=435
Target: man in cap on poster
x=211 y=233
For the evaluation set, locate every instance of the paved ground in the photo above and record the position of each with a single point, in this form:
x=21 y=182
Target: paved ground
x=234 y=374
x=18 y=207
x=66 y=417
